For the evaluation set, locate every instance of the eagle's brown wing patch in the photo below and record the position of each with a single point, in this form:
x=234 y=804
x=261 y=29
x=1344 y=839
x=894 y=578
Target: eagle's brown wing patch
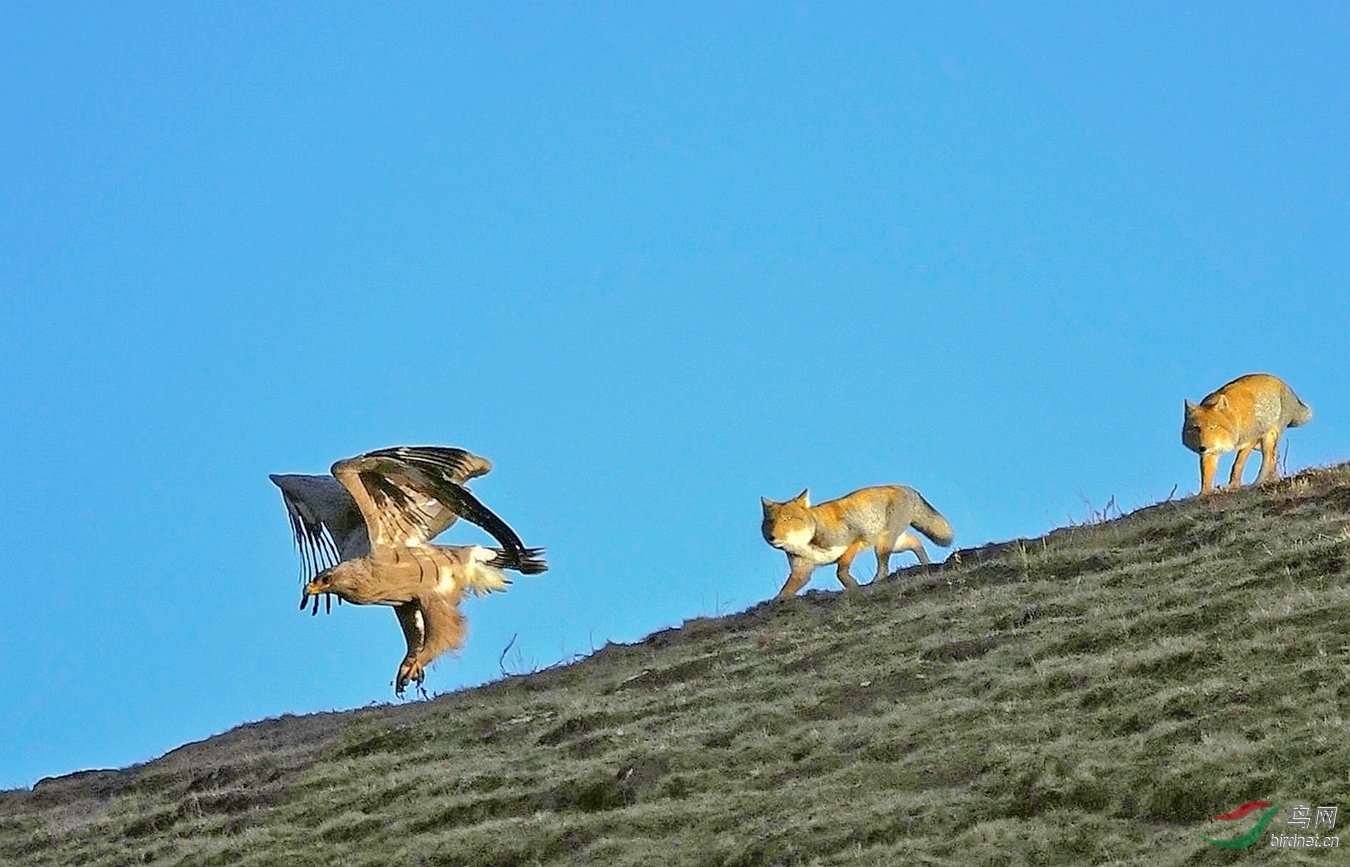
x=402 y=491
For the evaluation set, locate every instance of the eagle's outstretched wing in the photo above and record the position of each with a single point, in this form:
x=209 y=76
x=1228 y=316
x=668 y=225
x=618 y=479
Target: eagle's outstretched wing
x=404 y=492
x=329 y=527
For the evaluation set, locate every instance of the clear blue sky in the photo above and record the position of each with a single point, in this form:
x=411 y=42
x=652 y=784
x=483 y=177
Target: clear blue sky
x=653 y=264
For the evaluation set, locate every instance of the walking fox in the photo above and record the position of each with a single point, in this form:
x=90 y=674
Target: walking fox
x=835 y=531
x=1251 y=409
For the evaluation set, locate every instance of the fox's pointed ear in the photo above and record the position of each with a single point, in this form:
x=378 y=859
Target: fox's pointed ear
x=803 y=496
x=765 y=502
x=1222 y=402
x=1190 y=407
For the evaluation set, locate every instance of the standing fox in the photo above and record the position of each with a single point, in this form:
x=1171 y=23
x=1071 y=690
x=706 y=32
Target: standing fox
x=835 y=531
x=1251 y=409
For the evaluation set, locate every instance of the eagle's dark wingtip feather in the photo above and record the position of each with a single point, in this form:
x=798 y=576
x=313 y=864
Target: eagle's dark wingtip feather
x=526 y=561
x=533 y=562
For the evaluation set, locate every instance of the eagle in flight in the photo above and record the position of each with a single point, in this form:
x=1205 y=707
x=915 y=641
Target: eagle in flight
x=364 y=535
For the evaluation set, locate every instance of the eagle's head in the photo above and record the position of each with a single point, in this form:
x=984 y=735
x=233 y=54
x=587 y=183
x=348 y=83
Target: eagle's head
x=350 y=580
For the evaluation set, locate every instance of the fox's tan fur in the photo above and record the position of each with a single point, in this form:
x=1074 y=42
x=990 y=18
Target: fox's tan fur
x=835 y=531
x=1249 y=411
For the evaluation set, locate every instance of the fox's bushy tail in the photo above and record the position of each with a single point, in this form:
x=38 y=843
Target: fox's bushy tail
x=1302 y=413
x=930 y=522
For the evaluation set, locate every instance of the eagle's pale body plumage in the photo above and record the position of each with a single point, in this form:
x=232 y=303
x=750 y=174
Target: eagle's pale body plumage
x=365 y=534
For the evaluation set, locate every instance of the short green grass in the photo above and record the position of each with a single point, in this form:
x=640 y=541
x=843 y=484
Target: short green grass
x=1090 y=697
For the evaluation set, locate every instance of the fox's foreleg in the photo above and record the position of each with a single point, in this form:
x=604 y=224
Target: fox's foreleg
x=799 y=572
x=1240 y=461
x=846 y=560
x=1209 y=462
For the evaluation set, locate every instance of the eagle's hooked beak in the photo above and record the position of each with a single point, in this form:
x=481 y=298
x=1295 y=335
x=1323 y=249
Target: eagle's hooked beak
x=312 y=591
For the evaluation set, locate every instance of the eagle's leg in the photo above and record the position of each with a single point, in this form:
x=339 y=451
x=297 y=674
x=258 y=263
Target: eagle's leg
x=411 y=671
x=442 y=629
x=414 y=631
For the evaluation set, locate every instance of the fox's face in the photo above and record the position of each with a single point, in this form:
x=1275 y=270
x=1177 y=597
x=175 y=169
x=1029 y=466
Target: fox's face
x=788 y=526
x=1206 y=428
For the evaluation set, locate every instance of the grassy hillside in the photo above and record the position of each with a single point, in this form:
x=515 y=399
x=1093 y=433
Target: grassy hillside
x=1089 y=697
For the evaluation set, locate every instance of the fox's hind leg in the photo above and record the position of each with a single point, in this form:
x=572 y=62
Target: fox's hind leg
x=1270 y=470
x=886 y=546
x=883 y=549
x=910 y=542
